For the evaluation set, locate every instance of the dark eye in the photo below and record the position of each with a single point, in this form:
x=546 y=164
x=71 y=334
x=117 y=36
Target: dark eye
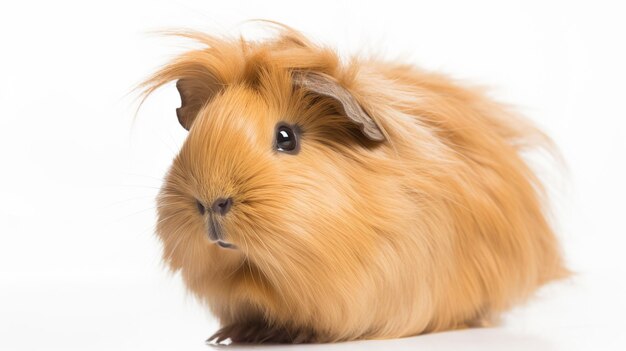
x=286 y=139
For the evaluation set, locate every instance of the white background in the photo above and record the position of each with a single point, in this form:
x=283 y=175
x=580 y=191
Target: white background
x=79 y=264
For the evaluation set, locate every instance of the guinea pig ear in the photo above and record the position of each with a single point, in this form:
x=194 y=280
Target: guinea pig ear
x=326 y=86
x=194 y=93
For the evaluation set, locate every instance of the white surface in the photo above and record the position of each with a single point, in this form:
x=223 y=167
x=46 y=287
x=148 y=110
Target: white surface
x=79 y=265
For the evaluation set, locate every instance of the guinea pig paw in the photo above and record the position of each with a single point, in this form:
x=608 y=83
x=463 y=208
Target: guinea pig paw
x=258 y=333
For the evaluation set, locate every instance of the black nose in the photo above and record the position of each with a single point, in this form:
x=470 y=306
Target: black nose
x=222 y=205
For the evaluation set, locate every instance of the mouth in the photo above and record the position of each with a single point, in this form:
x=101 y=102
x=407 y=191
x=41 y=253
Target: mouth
x=226 y=245
x=216 y=235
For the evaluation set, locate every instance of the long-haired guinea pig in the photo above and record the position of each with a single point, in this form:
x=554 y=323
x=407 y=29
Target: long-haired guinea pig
x=318 y=200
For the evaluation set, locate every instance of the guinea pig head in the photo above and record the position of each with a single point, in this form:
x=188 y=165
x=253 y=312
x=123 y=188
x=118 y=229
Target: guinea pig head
x=265 y=208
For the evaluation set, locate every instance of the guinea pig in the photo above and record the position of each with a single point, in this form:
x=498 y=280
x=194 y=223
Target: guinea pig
x=317 y=199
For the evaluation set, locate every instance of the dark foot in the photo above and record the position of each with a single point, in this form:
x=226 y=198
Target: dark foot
x=257 y=333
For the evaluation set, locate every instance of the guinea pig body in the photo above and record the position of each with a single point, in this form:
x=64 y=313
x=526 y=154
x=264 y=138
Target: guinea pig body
x=318 y=201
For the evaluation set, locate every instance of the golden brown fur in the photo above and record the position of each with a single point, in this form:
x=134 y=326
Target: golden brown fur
x=439 y=226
